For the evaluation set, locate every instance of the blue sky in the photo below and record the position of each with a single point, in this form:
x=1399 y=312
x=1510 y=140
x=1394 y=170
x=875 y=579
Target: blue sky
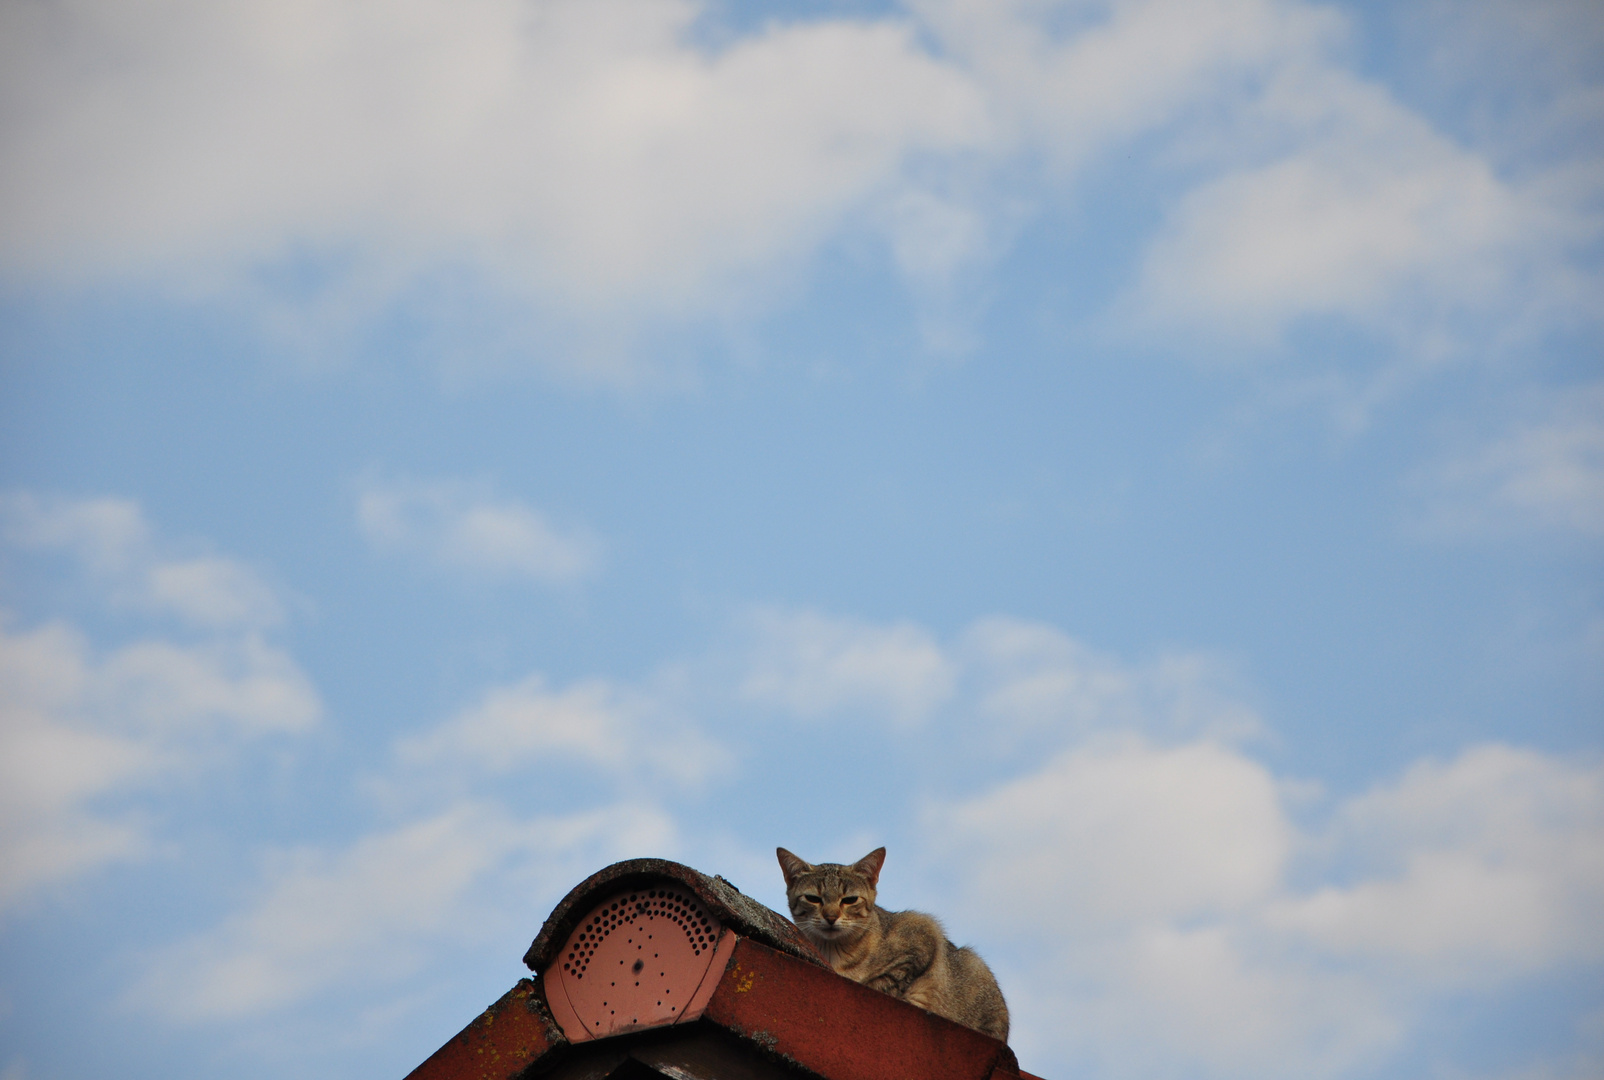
x=1142 y=462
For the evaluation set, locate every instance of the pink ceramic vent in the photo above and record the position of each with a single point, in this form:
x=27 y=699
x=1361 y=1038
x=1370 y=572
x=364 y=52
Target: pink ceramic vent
x=642 y=958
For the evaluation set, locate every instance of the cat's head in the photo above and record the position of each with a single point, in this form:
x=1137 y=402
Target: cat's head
x=831 y=904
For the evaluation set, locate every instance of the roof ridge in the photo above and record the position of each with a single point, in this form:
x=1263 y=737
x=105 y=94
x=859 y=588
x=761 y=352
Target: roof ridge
x=732 y=907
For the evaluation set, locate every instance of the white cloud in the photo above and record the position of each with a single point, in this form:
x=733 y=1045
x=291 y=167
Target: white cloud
x=516 y=724
x=585 y=151
x=1135 y=831
x=1368 y=214
x=381 y=907
x=811 y=665
x=1075 y=79
x=1480 y=867
x=1300 y=192
x=247 y=684
x=88 y=734
x=461 y=527
x=77 y=730
x=1165 y=895
x=527 y=728
x=1546 y=472
x=1039 y=675
x=593 y=161
x=111 y=538
x=105 y=534
x=1032 y=676
x=213 y=592
x=1029 y=683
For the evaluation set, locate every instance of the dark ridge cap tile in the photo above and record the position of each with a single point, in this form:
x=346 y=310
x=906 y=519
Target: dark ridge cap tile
x=728 y=904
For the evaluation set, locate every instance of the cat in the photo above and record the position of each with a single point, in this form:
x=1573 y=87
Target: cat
x=902 y=953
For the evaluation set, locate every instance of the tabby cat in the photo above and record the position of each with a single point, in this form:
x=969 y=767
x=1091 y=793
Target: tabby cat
x=902 y=953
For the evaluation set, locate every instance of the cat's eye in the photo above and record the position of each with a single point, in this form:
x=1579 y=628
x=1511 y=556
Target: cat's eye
x=810 y=898
x=849 y=899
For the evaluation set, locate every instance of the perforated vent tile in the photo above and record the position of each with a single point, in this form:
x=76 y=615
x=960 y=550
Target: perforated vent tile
x=635 y=960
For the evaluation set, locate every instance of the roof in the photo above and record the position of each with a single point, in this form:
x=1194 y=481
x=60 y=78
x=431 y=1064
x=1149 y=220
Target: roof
x=720 y=987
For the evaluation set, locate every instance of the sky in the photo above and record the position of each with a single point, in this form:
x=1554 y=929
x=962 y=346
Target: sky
x=1140 y=461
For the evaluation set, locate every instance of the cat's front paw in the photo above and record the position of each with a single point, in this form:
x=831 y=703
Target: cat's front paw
x=894 y=983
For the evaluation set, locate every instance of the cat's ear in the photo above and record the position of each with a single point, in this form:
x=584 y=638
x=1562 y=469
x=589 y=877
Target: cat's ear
x=791 y=866
x=869 y=866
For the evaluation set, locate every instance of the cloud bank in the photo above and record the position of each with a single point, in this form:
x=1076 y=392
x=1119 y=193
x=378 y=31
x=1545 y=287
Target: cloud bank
x=1157 y=898
x=87 y=732
x=616 y=163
